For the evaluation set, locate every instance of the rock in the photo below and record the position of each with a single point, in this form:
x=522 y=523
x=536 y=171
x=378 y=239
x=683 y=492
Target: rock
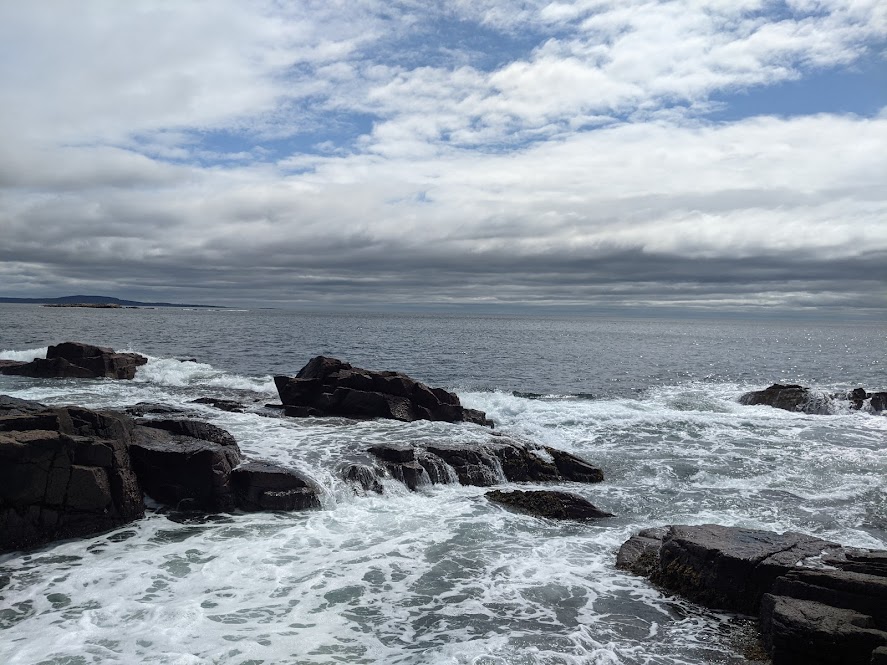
x=879 y=656
x=145 y=408
x=790 y=398
x=815 y=602
x=222 y=404
x=640 y=553
x=800 y=632
x=329 y=387
x=10 y=365
x=497 y=461
x=56 y=484
x=546 y=503
x=264 y=486
x=878 y=401
x=185 y=464
x=78 y=361
x=362 y=477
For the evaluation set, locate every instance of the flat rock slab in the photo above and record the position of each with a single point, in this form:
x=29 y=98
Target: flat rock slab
x=547 y=503
x=265 y=486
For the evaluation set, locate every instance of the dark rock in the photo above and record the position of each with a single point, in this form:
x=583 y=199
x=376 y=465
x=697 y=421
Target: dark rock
x=491 y=463
x=11 y=365
x=330 y=387
x=546 y=503
x=362 y=476
x=789 y=397
x=14 y=405
x=55 y=485
x=857 y=397
x=838 y=588
x=146 y=408
x=221 y=404
x=178 y=469
x=860 y=561
x=78 y=361
x=879 y=656
x=878 y=401
x=640 y=553
x=728 y=567
x=196 y=429
x=263 y=486
x=801 y=632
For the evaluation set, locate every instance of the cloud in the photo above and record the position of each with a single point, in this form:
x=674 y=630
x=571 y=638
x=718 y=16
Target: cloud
x=155 y=149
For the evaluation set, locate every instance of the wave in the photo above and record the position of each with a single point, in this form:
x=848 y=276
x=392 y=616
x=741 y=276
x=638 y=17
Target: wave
x=27 y=355
x=187 y=373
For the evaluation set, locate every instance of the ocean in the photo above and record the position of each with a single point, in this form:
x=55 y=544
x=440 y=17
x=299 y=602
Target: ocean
x=441 y=575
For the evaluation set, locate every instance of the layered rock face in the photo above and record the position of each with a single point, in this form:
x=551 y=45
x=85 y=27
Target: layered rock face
x=64 y=472
x=330 y=387
x=817 y=601
x=798 y=398
x=73 y=360
x=69 y=471
x=499 y=460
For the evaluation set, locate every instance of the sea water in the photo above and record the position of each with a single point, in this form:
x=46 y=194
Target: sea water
x=441 y=575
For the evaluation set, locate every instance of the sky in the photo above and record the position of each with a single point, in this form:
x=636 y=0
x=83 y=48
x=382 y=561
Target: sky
x=629 y=155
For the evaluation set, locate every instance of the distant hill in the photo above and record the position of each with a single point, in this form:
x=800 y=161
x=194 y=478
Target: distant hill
x=103 y=300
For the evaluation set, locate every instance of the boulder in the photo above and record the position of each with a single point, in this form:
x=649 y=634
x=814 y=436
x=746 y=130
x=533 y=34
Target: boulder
x=75 y=360
x=329 y=387
x=547 y=503
x=221 y=404
x=817 y=601
x=56 y=483
x=496 y=461
x=264 y=486
x=185 y=464
x=798 y=398
x=363 y=478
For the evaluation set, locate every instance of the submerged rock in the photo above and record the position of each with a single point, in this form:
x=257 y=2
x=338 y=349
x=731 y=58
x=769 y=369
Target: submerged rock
x=221 y=404
x=75 y=360
x=817 y=601
x=806 y=400
x=547 y=503
x=330 y=387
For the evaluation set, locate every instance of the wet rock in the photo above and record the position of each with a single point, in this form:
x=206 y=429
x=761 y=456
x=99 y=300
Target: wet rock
x=264 y=486
x=329 y=387
x=152 y=408
x=362 y=477
x=640 y=553
x=483 y=465
x=546 y=503
x=790 y=398
x=800 y=632
x=221 y=404
x=878 y=401
x=79 y=361
x=814 y=603
x=10 y=365
x=186 y=464
x=57 y=485
x=879 y=656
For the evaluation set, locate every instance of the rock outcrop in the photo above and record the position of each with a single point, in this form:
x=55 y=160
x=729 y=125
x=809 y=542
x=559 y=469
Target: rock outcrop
x=496 y=461
x=74 y=360
x=817 y=602
x=69 y=471
x=64 y=472
x=548 y=503
x=806 y=400
x=330 y=387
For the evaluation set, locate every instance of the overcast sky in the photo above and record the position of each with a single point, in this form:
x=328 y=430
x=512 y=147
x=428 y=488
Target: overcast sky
x=712 y=155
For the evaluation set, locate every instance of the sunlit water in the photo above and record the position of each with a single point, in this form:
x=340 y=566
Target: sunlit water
x=441 y=575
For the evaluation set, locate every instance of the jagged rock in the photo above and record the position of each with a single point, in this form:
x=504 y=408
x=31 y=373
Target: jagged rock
x=186 y=464
x=56 y=483
x=483 y=465
x=264 y=486
x=329 y=387
x=78 y=361
x=546 y=503
x=878 y=401
x=146 y=408
x=808 y=613
x=221 y=404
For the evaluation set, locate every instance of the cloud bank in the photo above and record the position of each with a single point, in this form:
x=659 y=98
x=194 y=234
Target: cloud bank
x=451 y=154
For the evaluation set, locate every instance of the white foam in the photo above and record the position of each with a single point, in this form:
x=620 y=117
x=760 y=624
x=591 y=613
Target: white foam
x=27 y=355
x=172 y=372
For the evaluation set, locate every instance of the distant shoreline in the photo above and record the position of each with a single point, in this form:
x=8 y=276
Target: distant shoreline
x=97 y=302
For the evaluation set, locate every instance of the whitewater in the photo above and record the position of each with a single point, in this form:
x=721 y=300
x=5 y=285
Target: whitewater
x=441 y=575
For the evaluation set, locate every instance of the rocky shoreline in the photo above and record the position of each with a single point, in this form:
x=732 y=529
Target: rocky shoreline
x=69 y=471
